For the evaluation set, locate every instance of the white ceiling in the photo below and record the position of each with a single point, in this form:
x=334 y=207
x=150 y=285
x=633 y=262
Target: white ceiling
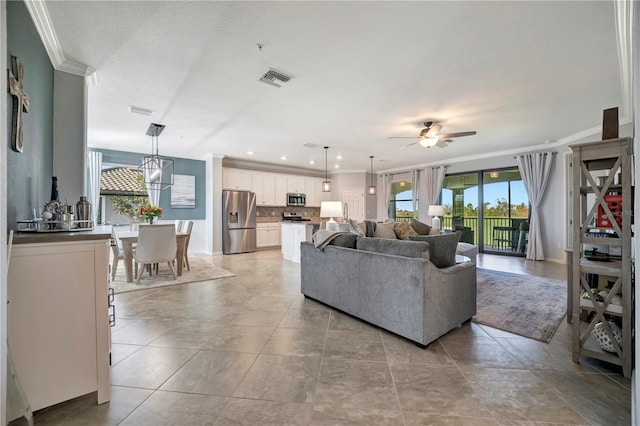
x=519 y=73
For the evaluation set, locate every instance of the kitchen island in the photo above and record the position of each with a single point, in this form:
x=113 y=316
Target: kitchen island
x=292 y=234
x=58 y=319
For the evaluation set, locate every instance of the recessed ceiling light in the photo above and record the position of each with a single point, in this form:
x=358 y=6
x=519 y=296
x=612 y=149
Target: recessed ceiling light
x=284 y=157
x=312 y=162
x=337 y=166
x=249 y=152
x=140 y=110
x=339 y=157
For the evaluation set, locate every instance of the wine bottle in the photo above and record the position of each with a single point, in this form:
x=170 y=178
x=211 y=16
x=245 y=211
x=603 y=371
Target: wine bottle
x=55 y=196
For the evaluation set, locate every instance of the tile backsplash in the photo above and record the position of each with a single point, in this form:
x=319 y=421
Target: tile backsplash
x=268 y=214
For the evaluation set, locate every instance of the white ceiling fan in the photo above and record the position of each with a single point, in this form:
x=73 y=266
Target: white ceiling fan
x=430 y=136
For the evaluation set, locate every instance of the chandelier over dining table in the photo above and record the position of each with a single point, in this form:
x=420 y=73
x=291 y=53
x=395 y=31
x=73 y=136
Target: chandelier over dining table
x=157 y=170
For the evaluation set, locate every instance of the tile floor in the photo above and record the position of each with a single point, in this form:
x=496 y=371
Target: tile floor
x=250 y=350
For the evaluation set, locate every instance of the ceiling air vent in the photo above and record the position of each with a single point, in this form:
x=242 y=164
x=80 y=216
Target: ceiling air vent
x=275 y=78
x=309 y=145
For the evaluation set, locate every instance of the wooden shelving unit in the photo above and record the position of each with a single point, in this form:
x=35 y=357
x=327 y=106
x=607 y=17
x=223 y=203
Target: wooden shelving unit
x=600 y=169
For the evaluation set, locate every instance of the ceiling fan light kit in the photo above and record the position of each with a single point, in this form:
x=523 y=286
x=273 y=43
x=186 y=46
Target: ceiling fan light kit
x=430 y=136
x=326 y=184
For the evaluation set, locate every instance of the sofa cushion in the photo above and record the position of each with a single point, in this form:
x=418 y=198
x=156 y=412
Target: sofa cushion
x=396 y=247
x=403 y=230
x=355 y=229
x=385 y=230
x=345 y=240
x=442 y=247
x=419 y=227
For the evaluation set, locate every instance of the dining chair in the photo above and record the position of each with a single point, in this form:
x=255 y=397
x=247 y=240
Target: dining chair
x=156 y=244
x=187 y=230
x=179 y=225
x=118 y=254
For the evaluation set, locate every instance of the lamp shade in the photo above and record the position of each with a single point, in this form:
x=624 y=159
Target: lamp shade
x=435 y=210
x=331 y=209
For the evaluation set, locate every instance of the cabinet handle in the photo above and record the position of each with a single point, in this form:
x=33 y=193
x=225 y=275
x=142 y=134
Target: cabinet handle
x=112 y=315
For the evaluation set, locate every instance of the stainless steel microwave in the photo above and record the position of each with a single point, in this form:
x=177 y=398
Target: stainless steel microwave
x=295 y=199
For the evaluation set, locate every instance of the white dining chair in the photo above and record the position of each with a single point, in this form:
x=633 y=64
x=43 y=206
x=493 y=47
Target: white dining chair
x=117 y=254
x=156 y=244
x=187 y=230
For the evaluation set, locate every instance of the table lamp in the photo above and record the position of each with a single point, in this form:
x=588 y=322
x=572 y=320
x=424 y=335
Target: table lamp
x=435 y=211
x=331 y=209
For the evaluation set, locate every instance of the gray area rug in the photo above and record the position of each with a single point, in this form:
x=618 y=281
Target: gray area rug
x=202 y=269
x=521 y=304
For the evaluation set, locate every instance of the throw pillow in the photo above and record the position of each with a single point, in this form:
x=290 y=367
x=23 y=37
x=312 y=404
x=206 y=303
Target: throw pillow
x=370 y=228
x=355 y=229
x=419 y=227
x=385 y=230
x=442 y=247
x=403 y=230
x=418 y=249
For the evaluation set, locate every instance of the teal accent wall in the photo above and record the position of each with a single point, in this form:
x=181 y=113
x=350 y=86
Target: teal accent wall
x=181 y=166
x=29 y=173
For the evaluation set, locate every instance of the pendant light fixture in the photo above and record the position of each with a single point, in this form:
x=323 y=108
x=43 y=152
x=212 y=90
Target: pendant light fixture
x=372 y=187
x=157 y=170
x=326 y=184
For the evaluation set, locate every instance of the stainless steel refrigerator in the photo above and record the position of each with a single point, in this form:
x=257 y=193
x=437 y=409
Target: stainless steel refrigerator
x=238 y=222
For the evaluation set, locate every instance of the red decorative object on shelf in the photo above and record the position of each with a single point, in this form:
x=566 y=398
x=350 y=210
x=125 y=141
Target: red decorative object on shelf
x=614 y=202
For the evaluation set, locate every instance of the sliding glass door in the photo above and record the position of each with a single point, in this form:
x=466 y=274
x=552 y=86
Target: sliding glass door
x=505 y=211
x=502 y=224
x=460 y=201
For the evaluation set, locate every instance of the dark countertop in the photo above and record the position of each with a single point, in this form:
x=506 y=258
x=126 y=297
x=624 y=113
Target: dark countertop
x=102 y=232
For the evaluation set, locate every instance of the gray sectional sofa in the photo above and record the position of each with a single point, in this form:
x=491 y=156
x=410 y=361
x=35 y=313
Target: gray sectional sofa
x=392 y=284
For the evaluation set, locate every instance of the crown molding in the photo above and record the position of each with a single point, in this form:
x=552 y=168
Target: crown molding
x=42 y=21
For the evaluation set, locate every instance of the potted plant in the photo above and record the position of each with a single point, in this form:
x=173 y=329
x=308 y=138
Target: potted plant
x=150 y=213
x=129 y=206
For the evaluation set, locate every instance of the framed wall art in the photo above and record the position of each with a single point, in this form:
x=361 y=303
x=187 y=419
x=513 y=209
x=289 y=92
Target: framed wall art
x=183 y=192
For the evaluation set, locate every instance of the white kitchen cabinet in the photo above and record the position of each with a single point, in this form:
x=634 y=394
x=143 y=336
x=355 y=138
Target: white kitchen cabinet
x=268 y=234
x=295 y=184
x=281 y=190
x=311 y=187
x=58 y=319
x=236 y=179
x=264 y=186
x=292 y=235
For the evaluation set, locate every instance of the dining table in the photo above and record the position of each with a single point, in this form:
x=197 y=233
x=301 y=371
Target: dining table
x=128 y=238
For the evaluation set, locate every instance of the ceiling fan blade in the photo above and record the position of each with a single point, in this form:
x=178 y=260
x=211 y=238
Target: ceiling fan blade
x=442 y=143
x=408 y=145
x=457 y=135
x=401 y=137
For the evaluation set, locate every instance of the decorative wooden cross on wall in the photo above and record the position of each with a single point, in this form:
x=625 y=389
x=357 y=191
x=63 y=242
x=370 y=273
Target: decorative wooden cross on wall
x=20 y=102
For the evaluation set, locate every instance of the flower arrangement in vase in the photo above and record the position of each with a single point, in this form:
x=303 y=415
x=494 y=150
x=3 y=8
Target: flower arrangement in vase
x=150 y=213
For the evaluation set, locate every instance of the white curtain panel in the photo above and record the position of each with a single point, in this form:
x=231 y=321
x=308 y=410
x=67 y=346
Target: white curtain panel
x=535 y=169
x=386 y=190
x=431 y=187
x=94 y=166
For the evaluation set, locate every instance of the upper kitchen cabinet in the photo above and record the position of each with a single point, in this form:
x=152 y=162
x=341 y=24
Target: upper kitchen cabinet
x=312 y=186
x=295 y=184
x=281 y=190
x=236 y=179
x=264 y=185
